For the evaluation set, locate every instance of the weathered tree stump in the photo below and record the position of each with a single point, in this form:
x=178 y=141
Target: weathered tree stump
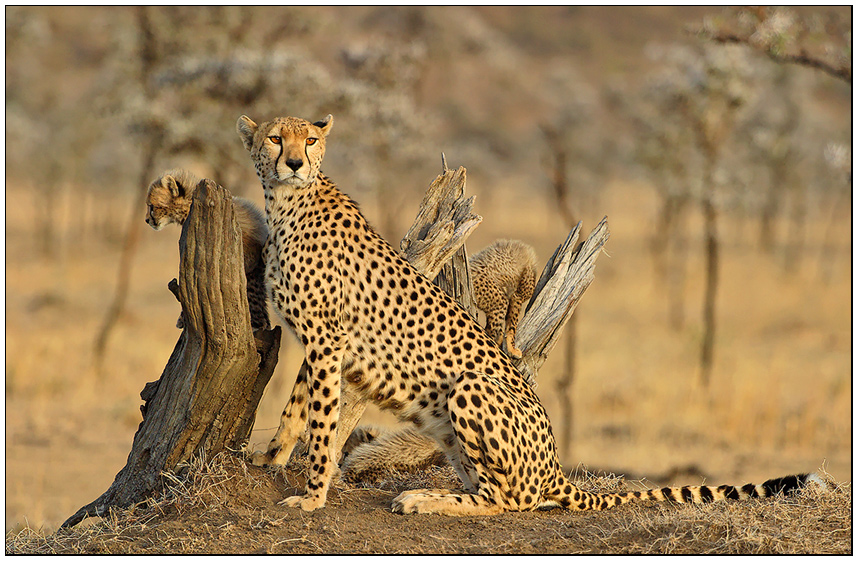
x=435 y=243
x=206 y=399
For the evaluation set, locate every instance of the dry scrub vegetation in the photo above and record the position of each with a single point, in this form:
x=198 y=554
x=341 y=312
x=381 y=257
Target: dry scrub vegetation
x=227 y=507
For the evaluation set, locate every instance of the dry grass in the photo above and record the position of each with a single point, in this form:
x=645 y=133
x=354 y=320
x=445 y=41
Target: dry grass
x=225 y=506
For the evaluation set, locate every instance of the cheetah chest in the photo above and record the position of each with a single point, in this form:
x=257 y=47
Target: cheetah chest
x=304 y=281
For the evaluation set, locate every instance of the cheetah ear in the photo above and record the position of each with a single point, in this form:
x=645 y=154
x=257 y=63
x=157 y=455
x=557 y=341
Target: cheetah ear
x=173 y=186
x=246 y=128
x=325 y=124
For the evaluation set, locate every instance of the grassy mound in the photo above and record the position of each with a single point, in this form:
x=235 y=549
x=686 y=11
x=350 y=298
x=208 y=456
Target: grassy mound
x=229 y=507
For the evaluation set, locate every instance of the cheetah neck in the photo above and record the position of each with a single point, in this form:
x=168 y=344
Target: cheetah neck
x=282 y=198
x=286 y=206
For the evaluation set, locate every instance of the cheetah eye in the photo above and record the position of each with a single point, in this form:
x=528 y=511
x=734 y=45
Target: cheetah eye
x=311 y=141
x=274 y=139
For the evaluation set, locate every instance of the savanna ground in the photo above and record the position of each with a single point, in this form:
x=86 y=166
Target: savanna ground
x=780 y=402
x=228 y=507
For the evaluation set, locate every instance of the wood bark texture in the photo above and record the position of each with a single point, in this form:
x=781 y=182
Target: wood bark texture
x=206 y=399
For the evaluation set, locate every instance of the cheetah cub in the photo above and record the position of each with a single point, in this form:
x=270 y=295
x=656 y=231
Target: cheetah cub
x=503 y=276
x=169 y=202
x=371 y=453
x=366 y=316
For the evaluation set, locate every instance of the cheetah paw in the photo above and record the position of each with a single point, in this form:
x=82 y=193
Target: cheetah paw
x=271 y=457
x=303 y=502
x=260 y=459
x=402 y=506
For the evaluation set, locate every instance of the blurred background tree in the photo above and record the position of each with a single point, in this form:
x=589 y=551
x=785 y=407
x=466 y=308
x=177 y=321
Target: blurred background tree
x=705 y=90
x=816 y=39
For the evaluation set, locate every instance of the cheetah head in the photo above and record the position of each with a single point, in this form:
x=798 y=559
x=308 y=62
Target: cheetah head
x=286 y=151
x=167 y=201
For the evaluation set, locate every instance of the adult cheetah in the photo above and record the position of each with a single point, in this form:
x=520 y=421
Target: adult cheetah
x=168 y=201
x=503 y=277
x=366 y=315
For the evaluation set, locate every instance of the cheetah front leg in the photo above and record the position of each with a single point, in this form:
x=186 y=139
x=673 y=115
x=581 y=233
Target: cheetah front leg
x=293 y=420
x=323 y=383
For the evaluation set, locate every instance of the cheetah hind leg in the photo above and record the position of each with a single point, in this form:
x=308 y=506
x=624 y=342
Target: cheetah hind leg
x=495 y=322
x=488 y=490
x=444 y=501
x=513 y=314
x=467 y=502
x=292 y=424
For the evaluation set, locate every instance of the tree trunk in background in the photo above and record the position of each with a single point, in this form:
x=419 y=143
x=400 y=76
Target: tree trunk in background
x=676 y=282
x=129 y=248
x=710 y=221
x=206 y=399
x=560 y=189
x=768 y=214
x=828 y=253
x=795 y=239
x=781 y=162
x=47 y=203
x=151 y=147
x=669 y=249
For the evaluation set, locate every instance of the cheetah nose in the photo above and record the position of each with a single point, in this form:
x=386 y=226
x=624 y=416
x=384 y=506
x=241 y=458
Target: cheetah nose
x=294 y=163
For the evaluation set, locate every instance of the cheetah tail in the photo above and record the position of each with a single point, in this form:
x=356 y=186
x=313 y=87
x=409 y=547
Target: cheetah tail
x=582 y=500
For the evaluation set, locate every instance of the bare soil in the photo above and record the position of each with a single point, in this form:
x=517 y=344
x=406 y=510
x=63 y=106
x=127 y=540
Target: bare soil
x=230 y=507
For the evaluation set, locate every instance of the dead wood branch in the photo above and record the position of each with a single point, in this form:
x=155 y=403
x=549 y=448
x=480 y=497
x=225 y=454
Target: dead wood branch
x=565 y=278
x=802 y=58
x=443 y=223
